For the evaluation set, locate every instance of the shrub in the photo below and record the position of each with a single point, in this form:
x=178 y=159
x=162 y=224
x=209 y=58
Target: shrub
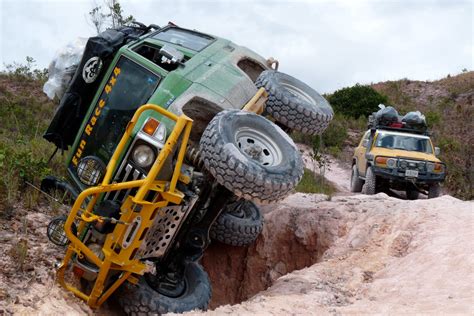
x=356 y=101
x=433 y=118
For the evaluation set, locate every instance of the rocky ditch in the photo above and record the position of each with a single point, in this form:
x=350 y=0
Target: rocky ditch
x=293 y=238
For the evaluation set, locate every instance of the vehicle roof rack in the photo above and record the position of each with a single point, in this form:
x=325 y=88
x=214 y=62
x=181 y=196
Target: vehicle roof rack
x=403 y=129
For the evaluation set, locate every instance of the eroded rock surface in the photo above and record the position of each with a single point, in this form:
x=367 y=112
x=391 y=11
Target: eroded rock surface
x=385 y=256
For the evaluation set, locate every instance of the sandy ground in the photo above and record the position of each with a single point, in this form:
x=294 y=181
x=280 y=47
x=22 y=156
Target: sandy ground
x=397 y=257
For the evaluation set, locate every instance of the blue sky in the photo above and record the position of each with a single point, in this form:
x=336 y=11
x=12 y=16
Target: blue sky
x=328 y=44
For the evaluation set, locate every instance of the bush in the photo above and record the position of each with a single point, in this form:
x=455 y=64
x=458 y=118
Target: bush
x=356 y=101
x=433 y=118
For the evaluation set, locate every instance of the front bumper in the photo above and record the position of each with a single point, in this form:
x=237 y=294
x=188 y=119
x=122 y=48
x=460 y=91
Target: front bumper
x=398 y=175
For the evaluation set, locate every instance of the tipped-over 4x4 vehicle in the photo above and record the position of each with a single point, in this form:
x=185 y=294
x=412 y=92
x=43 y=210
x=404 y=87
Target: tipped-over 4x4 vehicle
x=167 y=150
x=397 y=153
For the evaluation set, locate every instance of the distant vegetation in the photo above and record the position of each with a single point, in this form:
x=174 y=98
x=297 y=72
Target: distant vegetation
x=357 y=101
x=25 y=113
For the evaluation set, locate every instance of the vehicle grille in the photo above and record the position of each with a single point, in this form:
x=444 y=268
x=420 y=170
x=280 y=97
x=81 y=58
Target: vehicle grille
x=129 y=173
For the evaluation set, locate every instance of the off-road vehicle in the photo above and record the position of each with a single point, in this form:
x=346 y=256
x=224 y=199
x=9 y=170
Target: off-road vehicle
x=397 y=153
x=166 y=149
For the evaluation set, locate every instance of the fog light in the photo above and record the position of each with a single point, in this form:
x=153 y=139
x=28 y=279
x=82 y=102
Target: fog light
x=403 y=164
x=90 y=170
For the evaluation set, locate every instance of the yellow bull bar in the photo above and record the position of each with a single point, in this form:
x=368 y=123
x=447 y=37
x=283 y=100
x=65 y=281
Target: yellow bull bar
x=137 y=214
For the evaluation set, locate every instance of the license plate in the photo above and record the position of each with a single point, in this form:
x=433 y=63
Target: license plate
x=411 y=173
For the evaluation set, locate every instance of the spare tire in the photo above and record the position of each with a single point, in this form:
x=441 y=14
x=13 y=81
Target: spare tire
x=295 y=104
x=251 y=156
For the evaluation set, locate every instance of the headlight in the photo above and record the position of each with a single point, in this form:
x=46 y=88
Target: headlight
x=90 y=170
x=430 y=166
x=421 y=166
x=391 y=163
x=143 y=156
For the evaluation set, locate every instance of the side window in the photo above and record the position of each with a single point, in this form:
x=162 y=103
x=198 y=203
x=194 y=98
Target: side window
x=365 y=139
x=153 y=54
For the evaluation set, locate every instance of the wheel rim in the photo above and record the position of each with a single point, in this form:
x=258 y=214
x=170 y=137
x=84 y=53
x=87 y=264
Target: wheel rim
x=299 y=93
x=242 y=210
x=167 y=285
x=258 y=147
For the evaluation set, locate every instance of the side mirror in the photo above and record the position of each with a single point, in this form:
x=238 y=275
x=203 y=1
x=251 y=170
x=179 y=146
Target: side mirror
x=365 y=142
x=437 y=151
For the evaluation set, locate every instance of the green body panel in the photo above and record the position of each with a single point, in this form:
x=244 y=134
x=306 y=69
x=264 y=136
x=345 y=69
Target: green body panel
x=211 y=74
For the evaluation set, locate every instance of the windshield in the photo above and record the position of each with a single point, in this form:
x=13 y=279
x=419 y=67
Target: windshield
x=404 y=142
x=129 y=86
x=188 y=39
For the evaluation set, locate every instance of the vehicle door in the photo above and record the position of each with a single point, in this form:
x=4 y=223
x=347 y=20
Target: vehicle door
x=360 y=153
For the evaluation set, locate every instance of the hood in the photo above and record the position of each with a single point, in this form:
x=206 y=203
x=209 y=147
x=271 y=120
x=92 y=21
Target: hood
x=404 y=154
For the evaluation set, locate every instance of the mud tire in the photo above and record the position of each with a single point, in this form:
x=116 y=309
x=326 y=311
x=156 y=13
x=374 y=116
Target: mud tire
x=142 y=299
x=434 y=191
x=243 y=175
x=370 y=186
x=295 y=104
x=239 y=224
x=356 y=182
x=412 y=193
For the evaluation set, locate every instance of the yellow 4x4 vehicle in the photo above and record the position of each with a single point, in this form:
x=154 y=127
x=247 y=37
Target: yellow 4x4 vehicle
x=394 y=158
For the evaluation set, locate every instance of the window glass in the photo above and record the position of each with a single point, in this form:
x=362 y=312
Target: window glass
x=403 y=142
x=129 y=86
x=365 y=139
x=188 y=39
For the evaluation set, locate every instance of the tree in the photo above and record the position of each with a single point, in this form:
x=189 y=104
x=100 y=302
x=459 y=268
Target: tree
x=112 y=17
x=356 y=101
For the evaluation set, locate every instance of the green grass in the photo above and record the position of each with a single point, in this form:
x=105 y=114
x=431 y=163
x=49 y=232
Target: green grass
x=314 y=183
x=25 y=113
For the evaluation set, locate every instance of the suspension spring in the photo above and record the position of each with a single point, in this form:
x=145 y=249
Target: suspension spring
x=193 y=156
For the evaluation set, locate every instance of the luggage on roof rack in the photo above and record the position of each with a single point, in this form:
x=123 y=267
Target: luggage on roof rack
x=415 y=120
x=389 y=119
